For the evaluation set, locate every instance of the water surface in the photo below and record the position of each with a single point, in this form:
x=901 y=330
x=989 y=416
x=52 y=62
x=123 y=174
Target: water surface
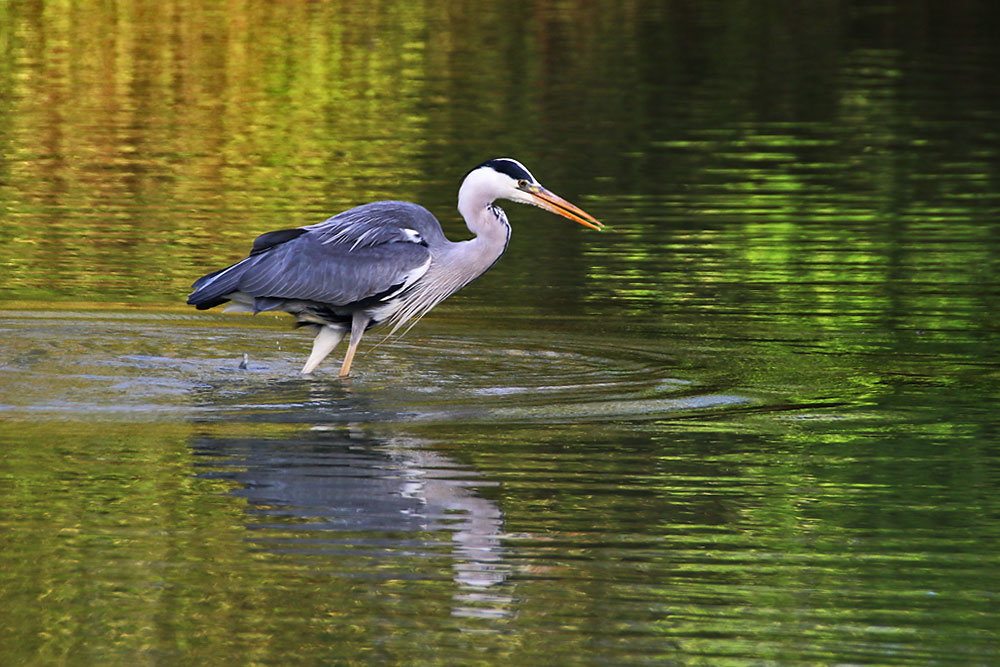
x=752 y=423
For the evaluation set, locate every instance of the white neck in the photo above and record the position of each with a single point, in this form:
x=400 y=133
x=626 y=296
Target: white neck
x=470 y=259
x=485 y=219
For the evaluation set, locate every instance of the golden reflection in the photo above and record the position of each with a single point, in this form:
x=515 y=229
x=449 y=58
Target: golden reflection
x=166 y=123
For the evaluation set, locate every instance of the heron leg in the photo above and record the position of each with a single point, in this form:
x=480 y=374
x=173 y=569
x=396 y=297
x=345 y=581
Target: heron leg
x=358 y=324
x=327 y=339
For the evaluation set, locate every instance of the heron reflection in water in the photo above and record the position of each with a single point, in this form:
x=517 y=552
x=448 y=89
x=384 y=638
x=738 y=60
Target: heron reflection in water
x=384 y=262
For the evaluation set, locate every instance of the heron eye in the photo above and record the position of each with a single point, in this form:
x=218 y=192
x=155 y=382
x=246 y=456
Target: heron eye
x=522 y=183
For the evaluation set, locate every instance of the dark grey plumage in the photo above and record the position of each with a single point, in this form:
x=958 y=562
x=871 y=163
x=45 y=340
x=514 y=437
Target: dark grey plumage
x=335 y=265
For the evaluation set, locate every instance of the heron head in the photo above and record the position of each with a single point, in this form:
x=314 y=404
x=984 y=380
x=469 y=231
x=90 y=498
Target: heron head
x=506 y=178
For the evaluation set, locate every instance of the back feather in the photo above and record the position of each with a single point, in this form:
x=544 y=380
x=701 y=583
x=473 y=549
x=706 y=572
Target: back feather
x=359 y=254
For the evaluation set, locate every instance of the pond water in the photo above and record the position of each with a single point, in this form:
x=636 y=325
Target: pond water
x=754 y=422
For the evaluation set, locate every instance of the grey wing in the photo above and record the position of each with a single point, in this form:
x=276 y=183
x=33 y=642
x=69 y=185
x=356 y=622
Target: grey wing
x=365 y=253
x=380 y=222
x=306 y=269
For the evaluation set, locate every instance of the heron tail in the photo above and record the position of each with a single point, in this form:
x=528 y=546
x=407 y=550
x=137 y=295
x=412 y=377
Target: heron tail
x=211 y=289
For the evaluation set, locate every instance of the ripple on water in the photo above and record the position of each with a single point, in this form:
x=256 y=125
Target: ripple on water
x=101 y=366
x=531 y=376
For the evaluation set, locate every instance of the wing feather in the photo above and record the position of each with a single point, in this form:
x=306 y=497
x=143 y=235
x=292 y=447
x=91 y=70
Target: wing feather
x=365 y=226
x=307 y=270
x=364 y=253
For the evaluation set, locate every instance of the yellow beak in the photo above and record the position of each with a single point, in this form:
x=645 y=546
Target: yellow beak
x=552 y=202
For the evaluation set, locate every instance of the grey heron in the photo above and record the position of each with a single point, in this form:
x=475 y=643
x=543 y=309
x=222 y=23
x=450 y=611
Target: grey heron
x=384 y=262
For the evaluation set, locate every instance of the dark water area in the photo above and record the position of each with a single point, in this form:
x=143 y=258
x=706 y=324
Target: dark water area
x=753 y=422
